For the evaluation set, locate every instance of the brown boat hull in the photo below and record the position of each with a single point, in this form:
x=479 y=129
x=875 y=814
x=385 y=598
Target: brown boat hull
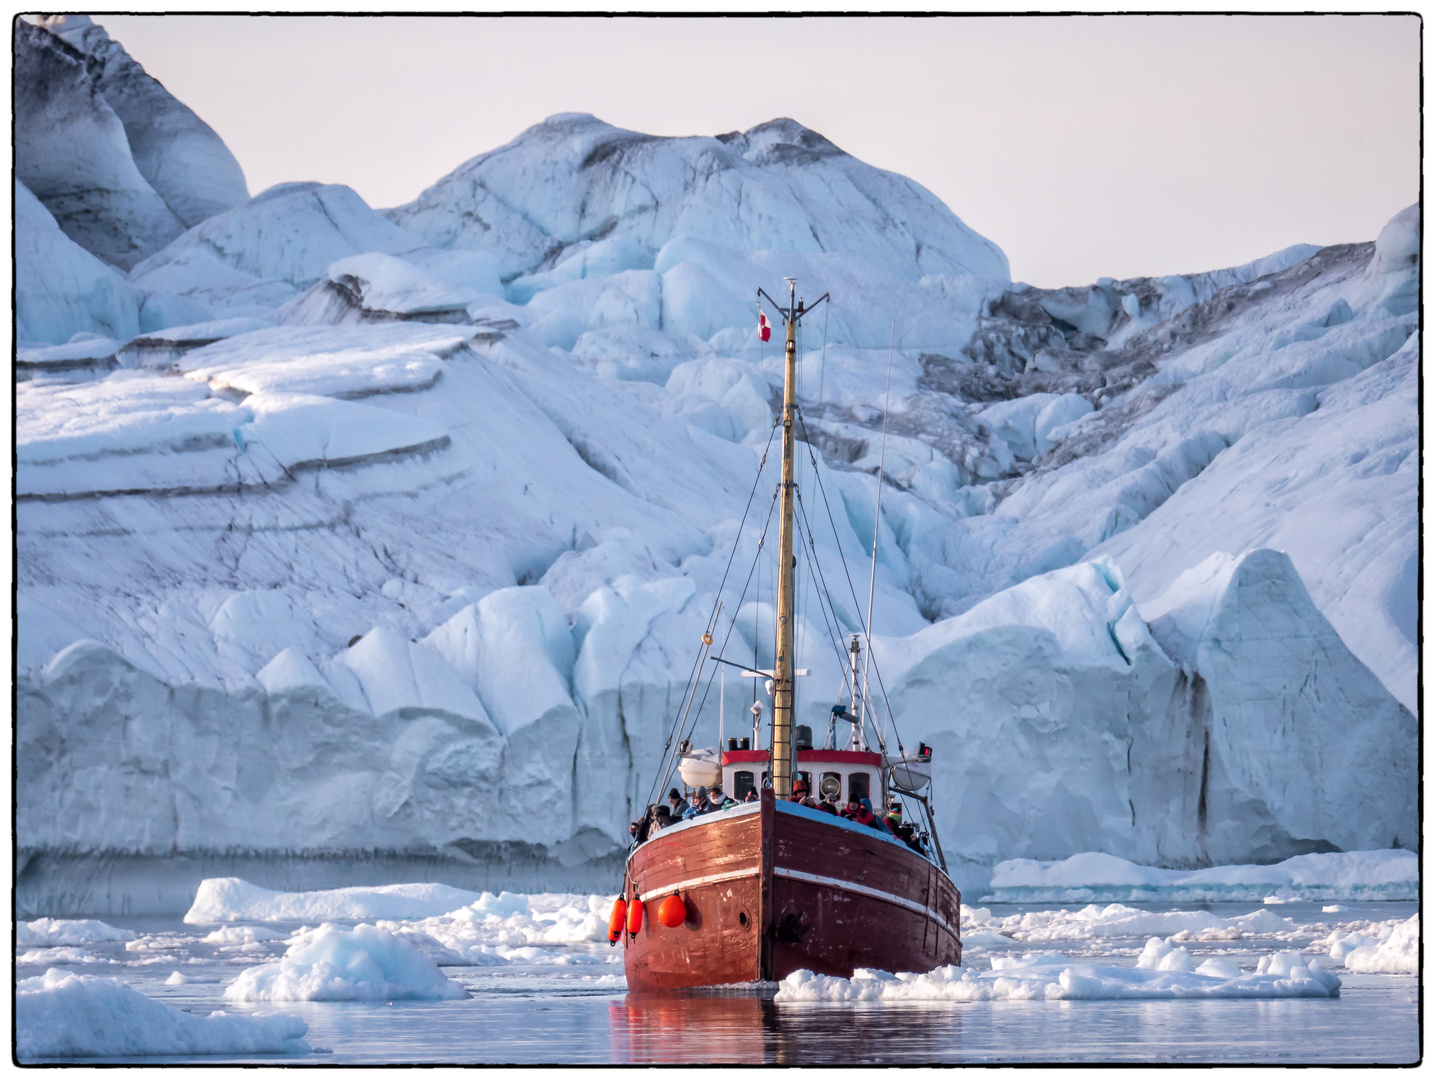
x=773 y=888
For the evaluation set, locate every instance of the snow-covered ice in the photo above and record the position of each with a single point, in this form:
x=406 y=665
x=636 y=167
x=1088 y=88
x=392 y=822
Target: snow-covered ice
x=1092 y=876
x=68 y=932
x=1054 y=977
x=227 y=900
x=336 y=963
x=1396 y=950
x=64 y=1015
x=413 y=556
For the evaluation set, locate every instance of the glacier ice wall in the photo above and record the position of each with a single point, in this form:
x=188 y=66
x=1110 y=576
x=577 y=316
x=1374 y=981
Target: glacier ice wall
x=379 y=546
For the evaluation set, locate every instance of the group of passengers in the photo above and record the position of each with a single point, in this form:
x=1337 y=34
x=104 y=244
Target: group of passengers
x=704 y=800
x=859 y=811
x=707 y=800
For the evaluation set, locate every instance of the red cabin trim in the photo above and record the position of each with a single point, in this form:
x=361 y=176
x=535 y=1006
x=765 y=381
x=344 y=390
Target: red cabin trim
x=815 y=757
x=742 y=757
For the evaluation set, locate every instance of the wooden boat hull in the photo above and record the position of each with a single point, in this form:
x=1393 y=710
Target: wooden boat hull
x=771 y=888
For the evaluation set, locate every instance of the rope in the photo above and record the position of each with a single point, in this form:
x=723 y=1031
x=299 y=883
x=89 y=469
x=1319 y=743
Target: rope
x=857 y=607
x=710 y=624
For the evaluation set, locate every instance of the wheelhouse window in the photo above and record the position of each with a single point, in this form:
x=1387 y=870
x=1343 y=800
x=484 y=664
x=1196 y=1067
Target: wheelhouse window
x=742 y=784
x=859 y=786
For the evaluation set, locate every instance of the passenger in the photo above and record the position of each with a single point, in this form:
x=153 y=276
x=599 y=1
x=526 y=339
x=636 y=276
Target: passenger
x=799 y=790
x=662 y=818
x=699 y=805
x=829 y=804
x=718 y=800
x=852 y=809
x=893 y=820
x=640 y=828
x=675 y=803
x=866 y=817
x=751 y=796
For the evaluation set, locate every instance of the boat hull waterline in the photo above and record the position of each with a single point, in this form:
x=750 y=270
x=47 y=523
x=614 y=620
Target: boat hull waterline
x=773 y=887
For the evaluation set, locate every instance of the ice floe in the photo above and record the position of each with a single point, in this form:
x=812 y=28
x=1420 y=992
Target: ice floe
x=69 y=932
x=1395 y=950
x=63 y=1015
x=1054 y=977
x=227 y=900
x=336 y=963
x=1092 y=876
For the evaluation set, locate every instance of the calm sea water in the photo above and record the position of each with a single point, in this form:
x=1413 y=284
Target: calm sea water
x=572 y=1013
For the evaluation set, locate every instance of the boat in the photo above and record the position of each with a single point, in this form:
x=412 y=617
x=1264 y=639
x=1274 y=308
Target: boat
x=752 y=893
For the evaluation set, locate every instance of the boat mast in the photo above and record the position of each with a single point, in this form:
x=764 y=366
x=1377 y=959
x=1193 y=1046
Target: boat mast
x=780 y=768
x=782 y=681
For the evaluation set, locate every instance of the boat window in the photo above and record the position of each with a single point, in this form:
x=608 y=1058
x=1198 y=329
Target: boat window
x=741 y=785
x=859 y=786
x=831 y=785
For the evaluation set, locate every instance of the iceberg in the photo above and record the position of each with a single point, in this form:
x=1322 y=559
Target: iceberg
x=62 y=1015
x=335 y=963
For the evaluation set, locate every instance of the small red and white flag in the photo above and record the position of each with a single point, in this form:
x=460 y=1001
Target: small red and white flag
x=764 y=328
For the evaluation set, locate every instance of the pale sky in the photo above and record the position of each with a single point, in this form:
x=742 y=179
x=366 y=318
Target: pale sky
x=1084 y=147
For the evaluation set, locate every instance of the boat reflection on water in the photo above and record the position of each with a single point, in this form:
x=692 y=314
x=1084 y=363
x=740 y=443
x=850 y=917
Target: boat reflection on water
x=749 y=1027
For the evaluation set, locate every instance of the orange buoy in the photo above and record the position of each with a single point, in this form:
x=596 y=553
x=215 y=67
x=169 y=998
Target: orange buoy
x=620 y=915
x=635 y=916
x=672 y=912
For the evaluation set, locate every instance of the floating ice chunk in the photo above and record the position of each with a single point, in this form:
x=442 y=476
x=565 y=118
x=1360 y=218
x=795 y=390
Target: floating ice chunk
x=1350 y=875
x=1399 y=953
x=223 y=900
x=334 y=963
x=241 y=935
x=1219 y=968
x=63 y=955
x=179 y=978
x=1052 y=976
x=59 y=1015
x=68 y=932
x=1161 y=955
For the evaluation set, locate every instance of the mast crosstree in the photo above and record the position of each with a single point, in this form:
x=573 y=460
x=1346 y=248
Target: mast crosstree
x=782 y=679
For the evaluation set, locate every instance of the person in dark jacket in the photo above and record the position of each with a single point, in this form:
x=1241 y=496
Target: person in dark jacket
x=675 y=803
x=718 y=800
x=866 y=817
x=700 y=804
x=829 y=804
x=639 y=829
x=662 y=818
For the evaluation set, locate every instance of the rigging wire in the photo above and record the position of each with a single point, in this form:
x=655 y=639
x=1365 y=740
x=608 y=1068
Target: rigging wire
x=710 y=624
x=877 y=518
x=762 y=540
x=851 y=588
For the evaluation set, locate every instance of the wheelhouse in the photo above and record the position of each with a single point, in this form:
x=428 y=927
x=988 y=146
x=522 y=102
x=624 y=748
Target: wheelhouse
x=848 y=774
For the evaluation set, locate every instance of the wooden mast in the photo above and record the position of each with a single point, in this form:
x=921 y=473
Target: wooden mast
x=782 y=680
